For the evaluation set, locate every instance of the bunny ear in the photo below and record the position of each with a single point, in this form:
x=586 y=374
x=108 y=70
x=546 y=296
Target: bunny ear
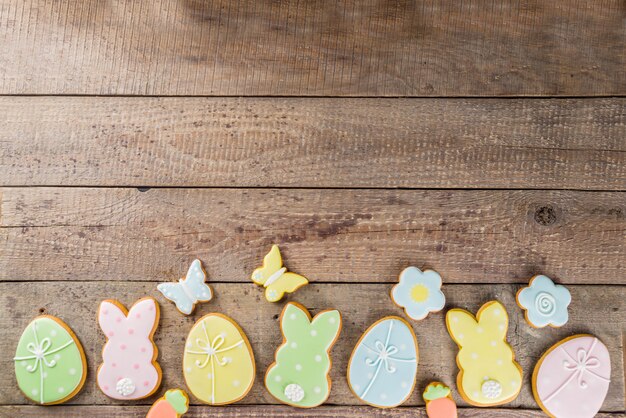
x=326 y=326
x=110 y=315
x=143 y=316
x=493 y=316
x=295 y=320
x=460 y=323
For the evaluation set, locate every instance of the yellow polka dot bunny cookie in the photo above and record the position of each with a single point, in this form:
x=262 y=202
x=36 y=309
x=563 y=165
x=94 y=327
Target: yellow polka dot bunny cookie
x=489 y=374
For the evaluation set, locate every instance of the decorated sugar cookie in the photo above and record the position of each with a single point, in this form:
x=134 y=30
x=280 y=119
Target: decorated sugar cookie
x=418 y=292
x=218 y=364
x=50 y=364
x=188 y=291
x=489 y=374
x=383 y=365
x=299 y=375
x=439 y=401
x=572 y=378
x=129 y=369
x=173 y=405
x=275 y=277
x=544 y=302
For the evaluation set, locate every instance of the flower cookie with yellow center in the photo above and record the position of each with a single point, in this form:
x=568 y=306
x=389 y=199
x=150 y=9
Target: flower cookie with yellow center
x=418 y=292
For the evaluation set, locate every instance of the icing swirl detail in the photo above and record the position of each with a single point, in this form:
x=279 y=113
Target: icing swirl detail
x=545 y=304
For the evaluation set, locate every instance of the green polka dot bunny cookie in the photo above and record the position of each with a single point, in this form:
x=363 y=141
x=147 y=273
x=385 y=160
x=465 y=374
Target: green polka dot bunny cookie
x=299 y=376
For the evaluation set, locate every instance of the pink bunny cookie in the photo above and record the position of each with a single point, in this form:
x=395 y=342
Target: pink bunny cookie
x=129 y=369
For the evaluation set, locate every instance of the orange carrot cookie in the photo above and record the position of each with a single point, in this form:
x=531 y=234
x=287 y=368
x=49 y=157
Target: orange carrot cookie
x=439 y=401
x=173 y=405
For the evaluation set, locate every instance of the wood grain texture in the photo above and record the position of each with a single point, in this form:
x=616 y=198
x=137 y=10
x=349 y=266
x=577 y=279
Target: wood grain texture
x=254 y=47
x=110 y=411
x=113 y=234
x=360 y=304
x=314 y=142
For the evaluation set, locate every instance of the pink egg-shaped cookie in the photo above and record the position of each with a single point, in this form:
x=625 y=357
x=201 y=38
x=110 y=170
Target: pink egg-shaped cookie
x=572 y=378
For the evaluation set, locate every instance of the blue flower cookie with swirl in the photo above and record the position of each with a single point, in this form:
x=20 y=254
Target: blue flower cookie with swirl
x=544 y=302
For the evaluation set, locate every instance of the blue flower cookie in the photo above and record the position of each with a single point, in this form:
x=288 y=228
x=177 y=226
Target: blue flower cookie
x=418 y=292
x=544 y=302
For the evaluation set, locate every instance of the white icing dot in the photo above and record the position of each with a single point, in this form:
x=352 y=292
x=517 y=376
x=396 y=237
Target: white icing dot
x=23 y=363
x=209 y=376
x=513 y=382
x=497 y=311
x=357 y=388
x=53 y=332
x=317 y=389
x=34 y=391
x=493 y=343
x=223 y=335
x=278 y=378
x=461 y=335
x=383 y=396
x=499 y=362
x=227 y=360
x=403 y=384
x=402 y=347
x=294 y=345
x=294 y=392
x=44 y=374
x=57 y=357
x=501 y=327
x=318 y=358
x=189 y=344
x=188 y=369
x=236 y=383
x=474 y=356
x=370 y=375
x=491 y=389
x=125 y=386
x=332 y=320
x=479 y=330
x=60 y=389
x=455 y=319
x=72 y=372
x=475 y=394
x=313 y=333
x=298 y=367
x=292 y=316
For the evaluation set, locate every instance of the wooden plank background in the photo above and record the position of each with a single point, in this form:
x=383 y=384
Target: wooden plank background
x=398 y=133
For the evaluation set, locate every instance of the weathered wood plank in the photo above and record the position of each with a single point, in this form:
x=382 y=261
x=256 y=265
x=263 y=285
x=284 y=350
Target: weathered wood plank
x=110 y=411
x=314 y=142
x=360 y=304
x=336 y=235
x=394 y=48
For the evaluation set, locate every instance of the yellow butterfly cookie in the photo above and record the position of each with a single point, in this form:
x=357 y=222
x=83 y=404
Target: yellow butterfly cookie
x=275 y=277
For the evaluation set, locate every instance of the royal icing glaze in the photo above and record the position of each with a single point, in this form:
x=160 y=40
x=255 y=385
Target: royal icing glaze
x=218 y=363
x=383 y=365
x=275 y=277
x=544 y=302
x=173 y=405
x=299 y=375
x=489 y=374
x=418 y=292
x=439 y=401
x=572 y=378
x=129 y=369
x=50 y=364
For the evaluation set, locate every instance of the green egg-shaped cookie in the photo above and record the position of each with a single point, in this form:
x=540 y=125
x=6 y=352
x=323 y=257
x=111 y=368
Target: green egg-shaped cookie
x=50 y=364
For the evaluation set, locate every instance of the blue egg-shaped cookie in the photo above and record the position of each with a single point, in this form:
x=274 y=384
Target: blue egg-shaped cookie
x=383 y=365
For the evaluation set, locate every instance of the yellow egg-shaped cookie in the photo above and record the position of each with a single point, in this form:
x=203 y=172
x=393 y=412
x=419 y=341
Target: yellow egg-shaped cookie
x=218 y=363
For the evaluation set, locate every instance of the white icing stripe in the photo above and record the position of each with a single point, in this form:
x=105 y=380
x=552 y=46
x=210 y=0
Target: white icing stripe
x=275 y=276
x=211 y=349
x=187 y=291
